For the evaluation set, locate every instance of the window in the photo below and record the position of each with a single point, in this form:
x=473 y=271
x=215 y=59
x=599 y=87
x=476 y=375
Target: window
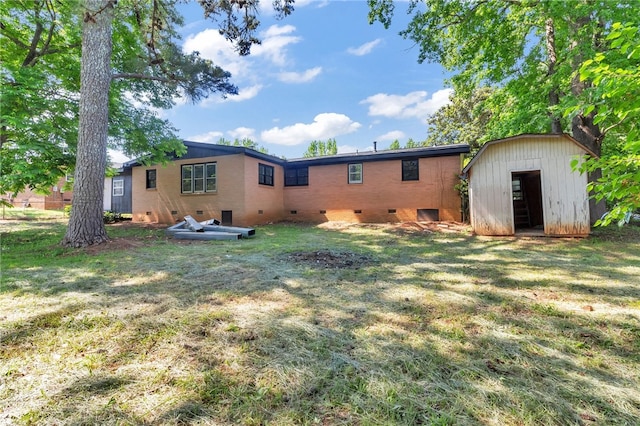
x=516 y=186
x=355 y=173
x=265 y=174
x=296 y=176
x=199 y=178
x=151 y=179
x=118 y=187
x=410 y=170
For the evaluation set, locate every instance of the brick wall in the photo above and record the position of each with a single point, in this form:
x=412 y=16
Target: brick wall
x=381 y=197
x=238 y=191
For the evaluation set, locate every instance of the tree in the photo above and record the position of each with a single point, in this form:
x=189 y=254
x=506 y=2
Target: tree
x=412 y=144
x=615 y=94
x=39 y=108
x=245 y=142
x=463 y=120
x=40 y=95
x=320 y=148
x=529 y=50
x=395 y=144
x=192 y=75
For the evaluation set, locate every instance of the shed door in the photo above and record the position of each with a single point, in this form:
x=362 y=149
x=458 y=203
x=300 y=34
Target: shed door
x=527 y=200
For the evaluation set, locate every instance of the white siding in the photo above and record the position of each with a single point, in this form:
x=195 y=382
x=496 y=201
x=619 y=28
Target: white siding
x=106 y=201
x=564 y=194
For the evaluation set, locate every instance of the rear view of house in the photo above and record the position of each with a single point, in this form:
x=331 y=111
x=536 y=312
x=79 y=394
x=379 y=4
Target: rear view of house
x=526 y=182
x=242 y=187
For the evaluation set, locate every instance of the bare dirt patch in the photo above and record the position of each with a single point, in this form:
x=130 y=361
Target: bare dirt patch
x=130 y=241
x=330 y=260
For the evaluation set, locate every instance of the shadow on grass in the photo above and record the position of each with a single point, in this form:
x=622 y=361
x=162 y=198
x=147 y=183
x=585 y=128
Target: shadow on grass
x=438 y=329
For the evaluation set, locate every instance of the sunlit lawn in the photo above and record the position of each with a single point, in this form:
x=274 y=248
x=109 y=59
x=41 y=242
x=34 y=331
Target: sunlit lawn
x=302 y=324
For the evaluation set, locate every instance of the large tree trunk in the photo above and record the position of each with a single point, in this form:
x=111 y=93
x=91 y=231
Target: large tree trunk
x=589 y=135
x=583 y=128
x=86 y=225
x=554 y=97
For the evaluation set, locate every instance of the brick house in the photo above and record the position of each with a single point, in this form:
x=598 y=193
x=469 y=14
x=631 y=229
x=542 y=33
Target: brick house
x=243 y=187
x=59 y=196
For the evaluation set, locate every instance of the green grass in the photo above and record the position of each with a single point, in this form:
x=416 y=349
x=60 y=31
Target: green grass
x=415 y=328
x=29 y=213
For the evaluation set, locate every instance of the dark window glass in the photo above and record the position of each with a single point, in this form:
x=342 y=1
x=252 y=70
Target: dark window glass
x=187 y=179
x=151 y=179
x=296 y=176
x=265 y=174
x=211 y=177
x=410 y=170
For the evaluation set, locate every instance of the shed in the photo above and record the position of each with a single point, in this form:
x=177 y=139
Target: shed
x=526 y=182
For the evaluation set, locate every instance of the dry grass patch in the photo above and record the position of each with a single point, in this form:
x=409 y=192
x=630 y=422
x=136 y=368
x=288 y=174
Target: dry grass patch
x=320 y=325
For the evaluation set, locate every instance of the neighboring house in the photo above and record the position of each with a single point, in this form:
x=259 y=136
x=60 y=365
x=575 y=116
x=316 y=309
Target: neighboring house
x=57 y=198
x=526 y=182
x=241 y=186
x=118 y=189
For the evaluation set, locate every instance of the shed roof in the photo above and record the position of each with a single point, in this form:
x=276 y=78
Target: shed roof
x=522 y=136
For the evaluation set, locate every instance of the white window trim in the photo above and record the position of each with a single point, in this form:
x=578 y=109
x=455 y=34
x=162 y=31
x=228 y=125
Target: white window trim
x=205 y=180
x=118 y=187
x=349 y=173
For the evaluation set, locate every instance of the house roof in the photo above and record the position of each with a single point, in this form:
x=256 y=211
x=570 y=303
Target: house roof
x=367 y=156
x=200 y=150
x=522 y=136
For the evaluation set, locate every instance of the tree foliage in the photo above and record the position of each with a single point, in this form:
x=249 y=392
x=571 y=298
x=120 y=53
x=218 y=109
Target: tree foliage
x=463 y=120
x=245 y=142
x=528 y=50
x=40 y=75
x=395 y=144
x=615 y=94
x=320 y=148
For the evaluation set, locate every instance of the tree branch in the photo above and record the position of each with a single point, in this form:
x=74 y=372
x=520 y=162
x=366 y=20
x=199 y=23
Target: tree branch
x=140 y=76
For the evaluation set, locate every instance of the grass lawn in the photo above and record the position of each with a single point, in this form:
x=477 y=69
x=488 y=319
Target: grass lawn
x=364 y=325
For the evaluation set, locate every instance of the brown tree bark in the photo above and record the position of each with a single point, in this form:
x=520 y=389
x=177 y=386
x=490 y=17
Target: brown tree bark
x=583 y=128
x=554 y=97
x=86 y=225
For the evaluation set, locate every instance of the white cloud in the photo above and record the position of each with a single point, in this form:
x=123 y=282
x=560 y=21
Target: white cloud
x=274 y=43
x=392 y=136
x=215 y=47
x=241 y=133
x=412 y=105
x=324 y=126
x=300 y=77
x=209 y=137
x=364 y=49
x=244 y=94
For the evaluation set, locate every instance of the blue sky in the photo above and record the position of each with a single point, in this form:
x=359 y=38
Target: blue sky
x=322 y=72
